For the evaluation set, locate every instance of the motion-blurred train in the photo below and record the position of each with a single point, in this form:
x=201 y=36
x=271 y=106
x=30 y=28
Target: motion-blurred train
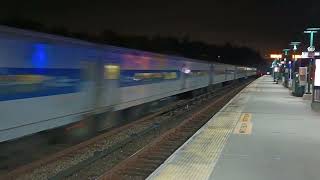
x=48 y=81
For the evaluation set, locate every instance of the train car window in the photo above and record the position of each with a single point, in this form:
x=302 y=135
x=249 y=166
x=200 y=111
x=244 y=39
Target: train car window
x=20 y=83
x=197 y=73
x=111 y=72
x=219 y=71
x=140 y=77
x=170 y=75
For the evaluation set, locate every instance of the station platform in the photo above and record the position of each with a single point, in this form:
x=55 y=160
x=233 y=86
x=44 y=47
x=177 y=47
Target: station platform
x=263 y=133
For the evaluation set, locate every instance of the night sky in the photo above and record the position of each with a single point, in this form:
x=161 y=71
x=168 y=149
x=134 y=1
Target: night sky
x=266 y=25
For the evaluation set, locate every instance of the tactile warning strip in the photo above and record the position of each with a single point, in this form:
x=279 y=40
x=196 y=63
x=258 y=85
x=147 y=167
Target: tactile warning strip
x=198 y=156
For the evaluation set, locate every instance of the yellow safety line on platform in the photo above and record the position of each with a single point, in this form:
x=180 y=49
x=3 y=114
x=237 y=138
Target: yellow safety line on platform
x=195 y=161
x=244 y=125
x=197 y=158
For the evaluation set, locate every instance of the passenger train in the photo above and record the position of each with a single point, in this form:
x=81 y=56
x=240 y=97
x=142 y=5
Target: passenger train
x=48 y=81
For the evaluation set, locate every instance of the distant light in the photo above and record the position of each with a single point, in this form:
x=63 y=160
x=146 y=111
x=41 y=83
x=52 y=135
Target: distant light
x=186 y=70
x=313 y=29
x=295 y=45
x=310 y=32
x=296 y=56
x=286 y=51
x=306 y=54
x=311 y=48
x=276 y=56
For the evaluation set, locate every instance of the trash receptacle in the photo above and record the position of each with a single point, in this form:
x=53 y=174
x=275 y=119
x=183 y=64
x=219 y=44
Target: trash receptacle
x=297 y=89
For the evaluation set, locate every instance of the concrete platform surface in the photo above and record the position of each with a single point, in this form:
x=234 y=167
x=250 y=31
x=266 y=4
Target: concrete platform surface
x=264 y=133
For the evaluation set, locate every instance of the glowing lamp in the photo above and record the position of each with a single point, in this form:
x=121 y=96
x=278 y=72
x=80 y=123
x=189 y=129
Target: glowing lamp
x=276 y=56
x=311 y=31
x=296 y=56
x=295 y=45
x=286 y=51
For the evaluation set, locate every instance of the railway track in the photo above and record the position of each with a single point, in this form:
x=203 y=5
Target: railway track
x=49 y=166
x=143 y=163
x=126 y=143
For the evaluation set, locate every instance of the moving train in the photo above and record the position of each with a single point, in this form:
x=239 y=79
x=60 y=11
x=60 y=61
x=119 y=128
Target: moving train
x=48 y=81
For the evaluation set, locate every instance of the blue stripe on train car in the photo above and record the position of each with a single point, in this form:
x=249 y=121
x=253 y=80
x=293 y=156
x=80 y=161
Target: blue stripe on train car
x=19 y=83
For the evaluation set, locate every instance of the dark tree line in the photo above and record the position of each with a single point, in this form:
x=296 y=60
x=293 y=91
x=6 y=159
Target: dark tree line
x=227 y=53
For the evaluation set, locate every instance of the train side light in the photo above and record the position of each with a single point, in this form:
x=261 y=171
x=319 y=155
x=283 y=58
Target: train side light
x=186 y=70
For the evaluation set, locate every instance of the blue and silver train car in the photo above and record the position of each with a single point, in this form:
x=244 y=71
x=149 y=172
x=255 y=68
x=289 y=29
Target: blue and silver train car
x=48 y=81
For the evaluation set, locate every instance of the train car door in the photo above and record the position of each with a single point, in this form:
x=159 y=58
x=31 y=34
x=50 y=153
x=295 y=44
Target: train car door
x=106 y=89
x=109 y=96
x=211 y=70
x=90 y=74
x=226 y=73
x=111 y=93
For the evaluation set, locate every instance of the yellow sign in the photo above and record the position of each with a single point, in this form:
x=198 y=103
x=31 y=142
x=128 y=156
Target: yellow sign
x=276 y=56
x=296 y=57
x=244 y=125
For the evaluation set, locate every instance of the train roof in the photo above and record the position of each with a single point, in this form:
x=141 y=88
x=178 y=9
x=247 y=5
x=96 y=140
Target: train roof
x=73 y=41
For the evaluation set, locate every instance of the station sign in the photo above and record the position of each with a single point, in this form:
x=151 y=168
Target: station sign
x=309 y=54
x=316 y=92
x=317 y=73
